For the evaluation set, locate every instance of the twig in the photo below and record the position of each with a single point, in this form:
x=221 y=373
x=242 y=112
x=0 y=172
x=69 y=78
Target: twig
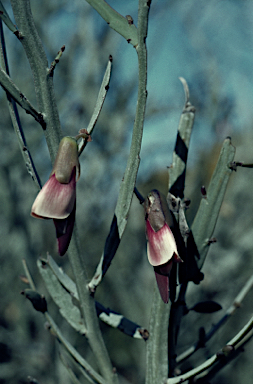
x=68 y=288
x=19 y=97
x=56 y=61
x=39 y=65
x=7 y=21
x=207 y=215
x=15 y=117
x=99 y=104
x=230 y=311
x=243 y=336
x=127 y=186
x=116 y=21
x=73 y=352
x=57 y=333
x=178 y=168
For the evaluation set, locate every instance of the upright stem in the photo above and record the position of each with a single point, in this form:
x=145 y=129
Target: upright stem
x=157 y=343
x=88 y=311
x=42 y=80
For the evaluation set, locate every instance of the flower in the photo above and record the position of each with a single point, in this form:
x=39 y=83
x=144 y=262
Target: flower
x=161 y=246
x=57 y=198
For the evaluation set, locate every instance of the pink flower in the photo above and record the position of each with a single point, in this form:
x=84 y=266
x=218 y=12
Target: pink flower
x=161 y=247
x=57 y=198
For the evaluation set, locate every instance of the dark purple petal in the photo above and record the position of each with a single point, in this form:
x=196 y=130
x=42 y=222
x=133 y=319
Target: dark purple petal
x=64 y=229
x=163 y=285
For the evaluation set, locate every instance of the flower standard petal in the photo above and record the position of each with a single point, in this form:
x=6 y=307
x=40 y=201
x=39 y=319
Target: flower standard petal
x=161 y=245
x=55 y=200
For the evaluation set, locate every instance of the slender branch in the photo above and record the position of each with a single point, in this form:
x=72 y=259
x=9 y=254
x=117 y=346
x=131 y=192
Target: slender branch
x=39 y=66
x=88 y=311
x=72 y=351
x=209 y=208
x=99 y=104
x=178 y=168
x=57 y=333
x=15 y=117
x=120 y=24
x=157 y=344
x=19 y=97
x=56 y=61
x=7 y=21
x=128 y=183
x=230 y=311
x=241 y=337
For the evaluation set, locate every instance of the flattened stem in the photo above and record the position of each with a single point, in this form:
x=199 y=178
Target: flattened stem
x=209 y=208
x=180 y=154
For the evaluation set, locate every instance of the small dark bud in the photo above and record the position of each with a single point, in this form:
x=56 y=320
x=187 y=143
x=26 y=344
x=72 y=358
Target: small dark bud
x=38 y=301
x=208 y=306
x=110 y=58
x=203 y=191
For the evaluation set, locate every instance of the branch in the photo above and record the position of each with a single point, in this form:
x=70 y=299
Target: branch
x=57 y=333
x=163 y=312
x=15 y=117
x=99 y=104
x=242 y=337
x=127 y=186
x=19 y=97
x=123 y=25
x=43 y=82
x=230 y=311
x=178 y=168
x=209 y=208
x=7 y=21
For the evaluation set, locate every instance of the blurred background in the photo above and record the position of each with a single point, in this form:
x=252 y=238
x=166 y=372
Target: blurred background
x=207 y=43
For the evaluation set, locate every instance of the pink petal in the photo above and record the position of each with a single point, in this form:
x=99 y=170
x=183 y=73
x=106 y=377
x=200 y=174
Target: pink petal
x=161 y=244
x=55 y=200
x=64 y=229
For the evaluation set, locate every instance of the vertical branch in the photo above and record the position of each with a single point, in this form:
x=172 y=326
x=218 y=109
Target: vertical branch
x=39 y=66
x=15 y=116
x=128 y=183
x=88 y=311
x=46 y=101
x=157 y=343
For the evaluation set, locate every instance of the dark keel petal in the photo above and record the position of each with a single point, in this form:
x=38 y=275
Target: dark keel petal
x=163 y=285
x=64 y=229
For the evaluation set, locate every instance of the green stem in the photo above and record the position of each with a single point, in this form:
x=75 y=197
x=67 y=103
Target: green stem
x=116 y=21
x=129 y=180
x=88 y=311
x=157 y=343
x=39 y=66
